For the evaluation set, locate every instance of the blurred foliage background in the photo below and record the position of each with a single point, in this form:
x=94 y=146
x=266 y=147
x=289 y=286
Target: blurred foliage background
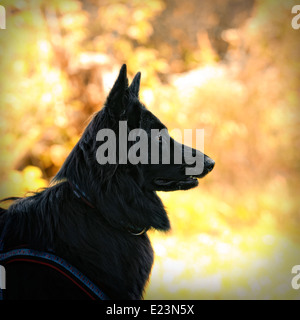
x=231 y=67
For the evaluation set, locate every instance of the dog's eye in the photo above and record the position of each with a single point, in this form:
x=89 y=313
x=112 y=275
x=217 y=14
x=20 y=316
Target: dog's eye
x=159 y=137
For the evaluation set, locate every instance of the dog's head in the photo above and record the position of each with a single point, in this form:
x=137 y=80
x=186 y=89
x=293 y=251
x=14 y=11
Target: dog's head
x=166 y=164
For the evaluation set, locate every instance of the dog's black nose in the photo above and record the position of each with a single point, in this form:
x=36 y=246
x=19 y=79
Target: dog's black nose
x=209 y=164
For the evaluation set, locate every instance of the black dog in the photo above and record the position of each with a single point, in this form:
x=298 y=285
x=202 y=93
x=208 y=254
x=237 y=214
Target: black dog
x=95 y=216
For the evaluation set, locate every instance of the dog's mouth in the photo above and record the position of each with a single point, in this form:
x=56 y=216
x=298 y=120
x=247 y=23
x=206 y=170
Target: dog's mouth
x=164 y=184
x=188 y=182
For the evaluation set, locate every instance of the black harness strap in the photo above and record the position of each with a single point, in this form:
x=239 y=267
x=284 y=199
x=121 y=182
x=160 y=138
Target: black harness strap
x=55 y=263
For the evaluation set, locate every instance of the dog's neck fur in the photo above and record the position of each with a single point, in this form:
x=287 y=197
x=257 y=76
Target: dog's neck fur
x=92 y=252
x=122 y=225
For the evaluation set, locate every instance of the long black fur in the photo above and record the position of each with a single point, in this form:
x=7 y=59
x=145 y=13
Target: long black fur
x=97 y=236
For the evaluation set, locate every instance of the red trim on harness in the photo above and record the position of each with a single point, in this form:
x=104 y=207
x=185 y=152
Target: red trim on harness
x=53 y=267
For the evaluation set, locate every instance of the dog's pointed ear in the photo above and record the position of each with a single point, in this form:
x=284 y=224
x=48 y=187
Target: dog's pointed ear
x=115 y=100
x=135 y=85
